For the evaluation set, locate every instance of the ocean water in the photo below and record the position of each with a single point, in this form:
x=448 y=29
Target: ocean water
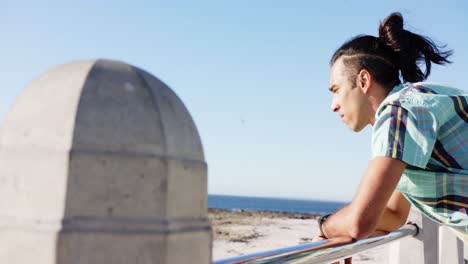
x=272 y=204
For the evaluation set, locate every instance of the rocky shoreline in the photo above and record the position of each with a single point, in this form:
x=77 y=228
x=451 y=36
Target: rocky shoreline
x=224 y=223
x=241 y=232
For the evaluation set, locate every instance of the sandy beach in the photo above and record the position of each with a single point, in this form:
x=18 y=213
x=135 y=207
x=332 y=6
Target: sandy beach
x=242 y=232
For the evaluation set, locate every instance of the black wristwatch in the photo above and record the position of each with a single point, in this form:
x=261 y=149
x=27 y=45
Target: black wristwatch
x=322 y=220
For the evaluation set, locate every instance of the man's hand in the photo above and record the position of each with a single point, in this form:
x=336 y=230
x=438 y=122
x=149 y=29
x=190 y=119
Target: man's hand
x=319 y=237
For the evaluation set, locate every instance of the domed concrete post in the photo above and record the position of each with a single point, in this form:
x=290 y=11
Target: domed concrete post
x=102 y=163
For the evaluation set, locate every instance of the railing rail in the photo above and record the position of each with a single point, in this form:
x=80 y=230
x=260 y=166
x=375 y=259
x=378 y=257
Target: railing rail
x=325 y=251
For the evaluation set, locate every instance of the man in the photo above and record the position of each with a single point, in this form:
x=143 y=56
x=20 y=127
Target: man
x=419 y=134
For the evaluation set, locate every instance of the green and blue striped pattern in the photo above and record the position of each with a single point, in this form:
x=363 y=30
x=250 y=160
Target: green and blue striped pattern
x=426 y=126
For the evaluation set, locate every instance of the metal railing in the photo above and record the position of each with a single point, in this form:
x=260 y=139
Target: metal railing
x=325 y=251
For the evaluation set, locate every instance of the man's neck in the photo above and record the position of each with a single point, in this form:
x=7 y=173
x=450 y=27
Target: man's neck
x=376 y=97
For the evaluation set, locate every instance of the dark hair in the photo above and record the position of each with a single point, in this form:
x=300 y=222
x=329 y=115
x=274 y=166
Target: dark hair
x=396 y=51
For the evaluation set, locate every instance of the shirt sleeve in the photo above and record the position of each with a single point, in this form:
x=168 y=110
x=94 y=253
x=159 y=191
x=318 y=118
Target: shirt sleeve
x=404 y=133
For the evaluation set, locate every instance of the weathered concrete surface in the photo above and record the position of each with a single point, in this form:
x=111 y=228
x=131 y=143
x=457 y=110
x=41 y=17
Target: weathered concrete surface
x=434 y=244
x=102 y=163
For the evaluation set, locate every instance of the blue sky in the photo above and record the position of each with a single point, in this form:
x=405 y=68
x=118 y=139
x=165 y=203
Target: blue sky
x=253 y=74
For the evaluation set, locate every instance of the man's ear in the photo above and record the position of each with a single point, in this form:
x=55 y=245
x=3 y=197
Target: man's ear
x=364 y=80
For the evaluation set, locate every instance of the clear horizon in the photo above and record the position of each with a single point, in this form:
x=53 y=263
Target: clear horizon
x=253 y=74
x=286 y=198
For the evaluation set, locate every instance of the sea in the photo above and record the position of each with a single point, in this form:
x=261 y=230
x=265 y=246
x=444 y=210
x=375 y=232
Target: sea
x=235 y=203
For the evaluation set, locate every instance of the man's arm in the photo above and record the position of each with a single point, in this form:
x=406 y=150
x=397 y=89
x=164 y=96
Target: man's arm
x=367 y=212
x=395 y=214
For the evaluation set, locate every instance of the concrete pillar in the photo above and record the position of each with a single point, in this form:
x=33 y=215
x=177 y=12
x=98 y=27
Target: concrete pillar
x=102 y=163
x=434 y=244
x=450 y=247
x=422 y=249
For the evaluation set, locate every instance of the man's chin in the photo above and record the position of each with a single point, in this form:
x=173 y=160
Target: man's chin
x=356 y=128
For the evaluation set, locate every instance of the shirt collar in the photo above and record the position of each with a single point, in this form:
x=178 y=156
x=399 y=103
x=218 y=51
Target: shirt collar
x=397 y=88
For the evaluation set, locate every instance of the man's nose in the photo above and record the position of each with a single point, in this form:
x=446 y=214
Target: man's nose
x=334 y=105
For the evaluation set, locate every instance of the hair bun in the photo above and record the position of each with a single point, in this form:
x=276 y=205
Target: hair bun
x=391 y=30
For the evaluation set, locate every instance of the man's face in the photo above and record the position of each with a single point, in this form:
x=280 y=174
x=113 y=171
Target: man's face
x=348 y=99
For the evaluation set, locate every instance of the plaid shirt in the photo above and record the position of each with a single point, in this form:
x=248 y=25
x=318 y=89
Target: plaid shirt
x=426 y=126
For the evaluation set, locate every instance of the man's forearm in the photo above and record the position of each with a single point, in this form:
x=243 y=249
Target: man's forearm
x=390 y=221
x=340 y=223
x=361 y=218
x=337 y=224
